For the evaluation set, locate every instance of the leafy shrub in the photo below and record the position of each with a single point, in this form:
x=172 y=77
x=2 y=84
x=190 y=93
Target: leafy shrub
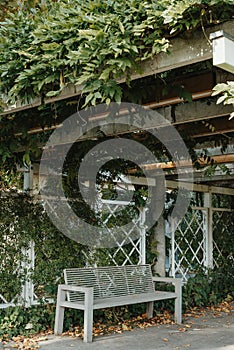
x=21 y=321
x=27 y=321
x=209 y=287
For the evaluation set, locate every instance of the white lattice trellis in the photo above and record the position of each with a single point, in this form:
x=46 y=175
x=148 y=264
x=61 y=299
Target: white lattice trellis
x=189 y=243
x=25 y=297
x=197 y=240
x=222 y=225
x=129 y=250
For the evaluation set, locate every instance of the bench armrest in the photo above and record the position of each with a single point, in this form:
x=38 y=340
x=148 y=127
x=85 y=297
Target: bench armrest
x=70 y=288
x=63 y=289
x=176 y=281
x=168 y=280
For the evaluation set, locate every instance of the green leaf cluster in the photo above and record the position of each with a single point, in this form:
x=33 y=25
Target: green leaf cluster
x=92 y=43
x=227 y=94
x=209 y=287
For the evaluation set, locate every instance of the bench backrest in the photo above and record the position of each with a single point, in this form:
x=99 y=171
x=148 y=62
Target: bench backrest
x=110 y=281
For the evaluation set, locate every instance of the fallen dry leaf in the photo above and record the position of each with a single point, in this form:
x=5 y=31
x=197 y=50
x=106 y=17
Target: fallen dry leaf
x=126 y=327
x=182 y=329
x=165 y=339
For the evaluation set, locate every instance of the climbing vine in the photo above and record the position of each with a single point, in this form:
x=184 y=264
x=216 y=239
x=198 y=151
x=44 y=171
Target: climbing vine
x=92 y=44
x=22 y=220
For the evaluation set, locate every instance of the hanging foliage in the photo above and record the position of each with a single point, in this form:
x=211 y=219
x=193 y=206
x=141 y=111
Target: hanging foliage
x=92 y=43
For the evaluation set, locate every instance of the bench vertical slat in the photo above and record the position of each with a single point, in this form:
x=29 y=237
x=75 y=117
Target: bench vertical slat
x=59 y=315
x=88 y=316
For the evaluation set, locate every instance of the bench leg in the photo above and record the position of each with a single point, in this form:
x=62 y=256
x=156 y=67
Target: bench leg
x=88 y=318
x=59 y=315
x=178 y=311
x=178 y=303
x=150 y=309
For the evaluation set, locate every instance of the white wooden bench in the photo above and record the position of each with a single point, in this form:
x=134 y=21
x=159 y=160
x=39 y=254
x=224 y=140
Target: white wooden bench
x=96 y=288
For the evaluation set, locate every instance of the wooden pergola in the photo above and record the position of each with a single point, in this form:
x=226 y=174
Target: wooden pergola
x=200 y=119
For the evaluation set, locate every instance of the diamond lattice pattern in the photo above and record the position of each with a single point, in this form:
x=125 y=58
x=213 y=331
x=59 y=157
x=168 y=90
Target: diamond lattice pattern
x=190 y=243
x=223 y=226
x=129 y=251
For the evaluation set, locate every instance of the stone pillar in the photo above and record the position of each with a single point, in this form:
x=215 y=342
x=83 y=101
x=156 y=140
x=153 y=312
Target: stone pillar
x=208 y=230
x=159 y=230
x=159 y=237
x=28 y=263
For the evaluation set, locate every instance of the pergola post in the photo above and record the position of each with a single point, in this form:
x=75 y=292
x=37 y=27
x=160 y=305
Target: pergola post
x=142 y=259
x=208 y=230
x=159 y=231
x=28 y=178
x=28 y=288
x=159 y=237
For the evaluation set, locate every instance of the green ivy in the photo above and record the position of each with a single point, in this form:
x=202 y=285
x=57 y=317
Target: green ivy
x=92 y=43
x=21 y=221
x=210 y=287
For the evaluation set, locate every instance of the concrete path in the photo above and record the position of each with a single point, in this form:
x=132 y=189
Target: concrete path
x=208 y=332
x=204 y=333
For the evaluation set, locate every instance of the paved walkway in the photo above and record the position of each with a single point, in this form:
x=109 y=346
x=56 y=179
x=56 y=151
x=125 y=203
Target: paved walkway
x=204 y=333
x=209 y=332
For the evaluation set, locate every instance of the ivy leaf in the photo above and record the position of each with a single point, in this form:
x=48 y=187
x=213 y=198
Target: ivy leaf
x=229 y=100
x=105 y=74
x=121 y=27
x=53 y=93
x=219 y=88
x=231 y=116
x=83 y=79
x=26 y=158
x=221 y=99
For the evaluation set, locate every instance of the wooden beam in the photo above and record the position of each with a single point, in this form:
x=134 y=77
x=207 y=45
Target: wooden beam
x=182 y=113
x=183 y=51
x=180 y=116
x=221 y=179
x=213 y=127
x=222 y=190
x=219 y=159
x=174 y=184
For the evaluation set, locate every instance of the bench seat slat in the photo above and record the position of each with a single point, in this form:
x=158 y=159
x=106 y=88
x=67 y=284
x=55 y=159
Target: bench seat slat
x=119 y=301
x=133 y=299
